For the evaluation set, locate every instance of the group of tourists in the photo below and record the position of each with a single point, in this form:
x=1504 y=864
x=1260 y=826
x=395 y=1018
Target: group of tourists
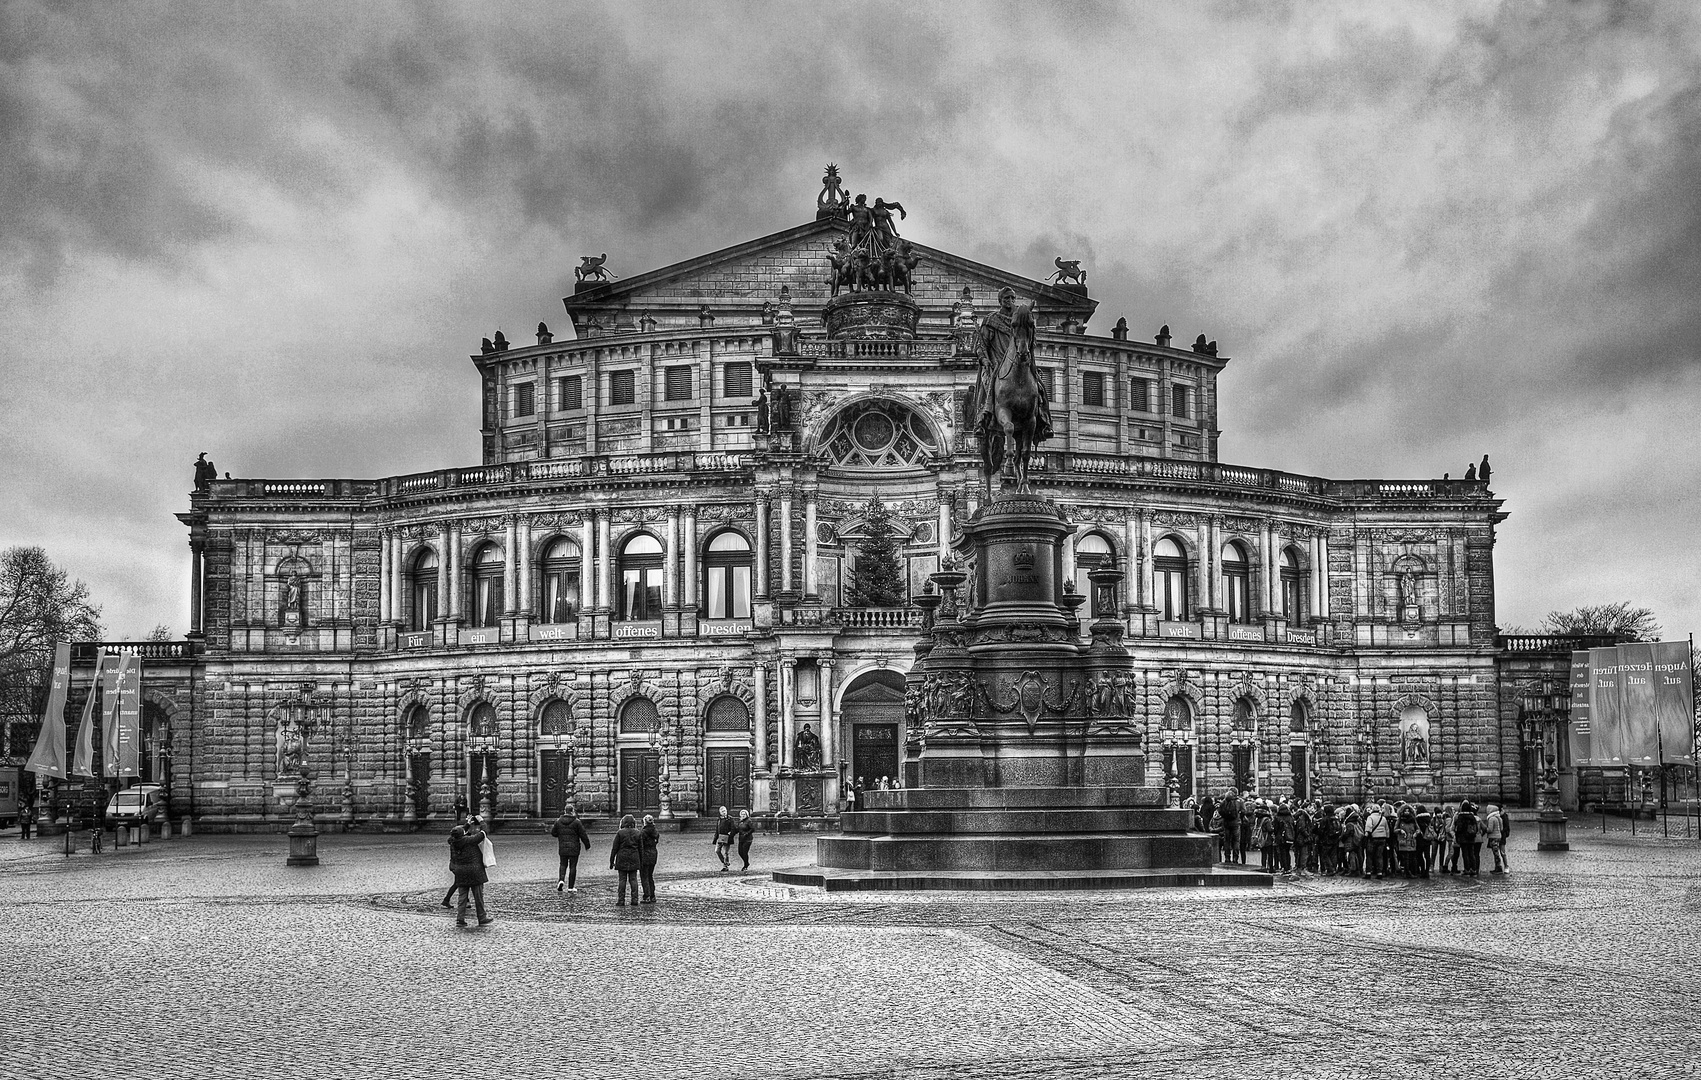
x=855 y=790
x=633 y=856
x=1376 y=840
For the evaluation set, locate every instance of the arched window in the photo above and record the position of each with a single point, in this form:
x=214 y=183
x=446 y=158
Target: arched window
x=481 y=721
x=1169 y=570
x=638 y=716
x=1237 y=583
x=640 y=579
x=557 y=719
x=728 y=713
x=1299 y=718
x=561 y=570
x=1293 y=586
x=1093 y=551
x=1244 y=719
x=727 y=569
x=422 y=590
x=417 y=724
x=487 y=586
x=1178 y=714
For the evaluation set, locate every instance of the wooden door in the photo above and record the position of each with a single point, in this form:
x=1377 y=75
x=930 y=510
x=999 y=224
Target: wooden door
x=419 y=771
x=1179 y=760
x=1299 y=763
x=557 y=781
x=640 y=782
x=729 y=781
x=874 y=752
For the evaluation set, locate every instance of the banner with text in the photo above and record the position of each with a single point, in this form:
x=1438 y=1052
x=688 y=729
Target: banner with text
x=109 y=715
x=1580 y=711
x=48 y=757
x=82 y=763
x=126 y=760
x=1640 y=705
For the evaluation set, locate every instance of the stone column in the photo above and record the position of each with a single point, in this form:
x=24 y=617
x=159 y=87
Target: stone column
x=787 y=584
x=1205 y=594
x=445 y=570
x=761 y=583
x=1272 y=569
x=510 y=566
x=829 y=733
x=670 y=561
x=398 y=587
x=523 y=568
x=944 y=523
x=605 y=562
x=1140 y=544
x=788 y=707
x=760 y=720
x=197 y=548
x=1320 y=574
x=386 y=574
x=587 y=560
x=688 y=591
x=808 y=589
x=455 y=589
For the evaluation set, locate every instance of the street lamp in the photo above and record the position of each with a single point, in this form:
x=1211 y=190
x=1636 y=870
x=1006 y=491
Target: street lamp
x=1541 y=722
x=304 y=834
x=575 y=746
x=663 y=738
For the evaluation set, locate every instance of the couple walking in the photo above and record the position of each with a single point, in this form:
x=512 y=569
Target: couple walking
x=470 y=851
x=726 y=831
x=634 y=858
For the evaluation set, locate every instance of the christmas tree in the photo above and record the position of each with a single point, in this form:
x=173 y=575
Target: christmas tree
x=878 y=577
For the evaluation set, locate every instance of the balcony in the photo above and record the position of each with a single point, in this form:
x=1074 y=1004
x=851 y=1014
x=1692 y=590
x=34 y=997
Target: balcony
x=1552 y=643
x=83 y=652
x=877 y=350
x=877 y=618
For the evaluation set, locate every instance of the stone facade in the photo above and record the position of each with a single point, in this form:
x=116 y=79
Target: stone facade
x=639 y=597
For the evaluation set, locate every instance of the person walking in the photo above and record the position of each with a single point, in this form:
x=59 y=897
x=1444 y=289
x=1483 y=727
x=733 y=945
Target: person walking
x=570 y=834
x=626 y=857
x=26 y=818
x=1506 y=839
x=725 y=831
x=1467 y=832
x=746 y=836
x=1494 y=832
x=466 y=862
x=650 y=839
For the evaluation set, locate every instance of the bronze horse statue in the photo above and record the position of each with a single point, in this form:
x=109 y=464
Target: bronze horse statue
x=1018 y=420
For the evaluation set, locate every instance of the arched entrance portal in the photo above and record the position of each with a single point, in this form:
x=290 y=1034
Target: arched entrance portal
x=872 y=717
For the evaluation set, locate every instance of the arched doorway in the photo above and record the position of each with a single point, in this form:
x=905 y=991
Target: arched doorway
x=871 y=717
x=1299 y=748
x=726 y=755
x=640 y=764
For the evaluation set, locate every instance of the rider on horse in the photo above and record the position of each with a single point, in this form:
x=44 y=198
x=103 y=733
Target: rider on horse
x=995 y=341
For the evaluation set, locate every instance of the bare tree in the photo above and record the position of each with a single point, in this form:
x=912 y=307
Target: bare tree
x=39 y=606
x=1620 y=620
x=160 y=632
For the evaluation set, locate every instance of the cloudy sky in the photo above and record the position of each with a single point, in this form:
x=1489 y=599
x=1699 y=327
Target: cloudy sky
x=1423 y=231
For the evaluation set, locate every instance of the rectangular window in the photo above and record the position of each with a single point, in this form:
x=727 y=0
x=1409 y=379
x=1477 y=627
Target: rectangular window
x=560 y=595
x=740 y=381
x=1140 y=395
x=569 y=393
x=678 y=383
x=1178 y=396
x=1092 y=388
x=1049 y=378
x=622 y=387
x=729 y=591
x=525 y=399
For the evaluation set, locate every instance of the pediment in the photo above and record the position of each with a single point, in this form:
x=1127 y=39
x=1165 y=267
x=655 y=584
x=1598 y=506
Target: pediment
x=734 y=283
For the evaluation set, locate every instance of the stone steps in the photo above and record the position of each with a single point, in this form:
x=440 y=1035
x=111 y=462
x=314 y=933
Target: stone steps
x=1018 y=852
x=836 y=880
x=1046 y=820
x=1011 y=798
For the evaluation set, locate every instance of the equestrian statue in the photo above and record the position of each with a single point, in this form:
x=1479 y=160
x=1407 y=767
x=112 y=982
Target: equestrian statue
x=1012 y=414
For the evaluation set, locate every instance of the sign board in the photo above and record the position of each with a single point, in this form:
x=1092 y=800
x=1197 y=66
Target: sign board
x=561 y=631
x=636 y=630
x=484 y=635
x=418 y=639
x=1245 y=633
x=722 y=627
x=1640 y=704
x=1179 y=630
x=1301 y=637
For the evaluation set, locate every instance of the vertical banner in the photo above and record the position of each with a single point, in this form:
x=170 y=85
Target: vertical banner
x=1606 y=730
x=129 y=713
x=48 y=757
x=1580 y=721
x=1674 y=701
x=82 y=764
x=1636 y=703
x=109 y=715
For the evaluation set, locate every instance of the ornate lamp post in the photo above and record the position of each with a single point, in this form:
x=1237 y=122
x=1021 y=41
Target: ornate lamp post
x=663 y=738
x=304 y=834
x=575 y=746
x=1541 y=722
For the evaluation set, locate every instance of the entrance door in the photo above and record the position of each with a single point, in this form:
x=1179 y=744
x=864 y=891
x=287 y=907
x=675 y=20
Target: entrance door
x=557 y=782
x=1243 y=777
x=874 y=752
x=640 y=782
x=729 y=781
x=1299 y=762
x=419 y=771
x=1178 y=759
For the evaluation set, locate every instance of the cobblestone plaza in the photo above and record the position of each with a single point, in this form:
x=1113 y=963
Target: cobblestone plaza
x=207 y=956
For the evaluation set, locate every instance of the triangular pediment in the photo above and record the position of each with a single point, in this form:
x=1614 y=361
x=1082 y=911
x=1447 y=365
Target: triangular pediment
x=734 y=283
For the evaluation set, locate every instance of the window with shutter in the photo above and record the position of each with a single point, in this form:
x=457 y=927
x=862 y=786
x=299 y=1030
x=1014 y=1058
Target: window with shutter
x=1092 y=388
x=1179 y=396
x=571 y=394
x=622 y=387
x=678 y=383
x=1140 y=395
x=525 y=399
x=740 y=380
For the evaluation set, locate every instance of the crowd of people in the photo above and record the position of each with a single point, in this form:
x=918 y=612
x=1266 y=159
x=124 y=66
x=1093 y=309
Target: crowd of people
x=632 y=857
x=1376 y=840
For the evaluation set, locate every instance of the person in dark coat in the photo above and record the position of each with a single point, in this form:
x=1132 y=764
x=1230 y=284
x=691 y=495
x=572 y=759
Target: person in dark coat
x=570 y=834
x=466 y=862
x=746 y=834
x=650 y=840
x=725 y=830
x=1282 y=833
x=1229 y=811
x=627 y=856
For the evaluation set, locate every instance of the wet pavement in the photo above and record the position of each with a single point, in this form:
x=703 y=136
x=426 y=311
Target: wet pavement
x=208 y=956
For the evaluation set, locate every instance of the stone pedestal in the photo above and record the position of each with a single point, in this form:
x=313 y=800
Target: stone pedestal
x=1025 y=768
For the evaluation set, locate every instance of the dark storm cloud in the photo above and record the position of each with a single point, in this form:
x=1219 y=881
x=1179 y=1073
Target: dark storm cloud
x=1421 y=231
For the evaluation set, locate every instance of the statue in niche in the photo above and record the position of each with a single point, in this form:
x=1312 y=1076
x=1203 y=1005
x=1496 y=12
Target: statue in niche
x=292 y=747
x=293 y=601
x=1415 y=740
x=1406 y=584
x=806 y=749
x=780 y=409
